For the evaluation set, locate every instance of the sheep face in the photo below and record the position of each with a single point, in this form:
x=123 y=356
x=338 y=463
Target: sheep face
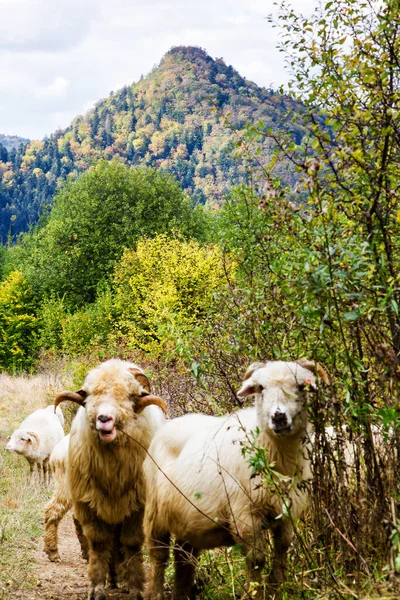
x=112 y=395
x=110 y=413
x=23 y=442
x=280 y=389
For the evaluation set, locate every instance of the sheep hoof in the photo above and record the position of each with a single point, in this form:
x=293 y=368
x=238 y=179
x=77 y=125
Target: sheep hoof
x=53 y=556
x=100 y=595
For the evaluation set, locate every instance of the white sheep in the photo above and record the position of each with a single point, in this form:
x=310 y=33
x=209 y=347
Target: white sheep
x=36 y=438
x=202 y=489
x=107 y=447
x=60 y=503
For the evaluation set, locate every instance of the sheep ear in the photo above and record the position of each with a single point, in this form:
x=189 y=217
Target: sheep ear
x=249 y=388
x=146 y=400
x=252 y=368
x=34 y=438
x=141 y=378
x=314 y=368
x=78 y=397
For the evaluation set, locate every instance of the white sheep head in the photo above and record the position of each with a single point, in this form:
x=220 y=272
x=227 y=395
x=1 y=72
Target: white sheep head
x=113 y=394
x=281 y=390
x=23 y=442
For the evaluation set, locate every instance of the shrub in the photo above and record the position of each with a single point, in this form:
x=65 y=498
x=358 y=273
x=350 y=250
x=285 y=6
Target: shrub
x=89 y=327
x=18 y=323
x=164 y=287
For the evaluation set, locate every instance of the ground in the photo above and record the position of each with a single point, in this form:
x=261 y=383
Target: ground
x=65 y=580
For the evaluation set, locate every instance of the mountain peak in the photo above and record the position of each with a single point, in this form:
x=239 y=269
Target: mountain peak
x=189 y=53
x=167 y=120
x=192 y=63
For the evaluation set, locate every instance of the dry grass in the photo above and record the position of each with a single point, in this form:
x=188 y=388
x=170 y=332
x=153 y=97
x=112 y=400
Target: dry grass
x=20 y=396
x=20 y=524
x=20 y=502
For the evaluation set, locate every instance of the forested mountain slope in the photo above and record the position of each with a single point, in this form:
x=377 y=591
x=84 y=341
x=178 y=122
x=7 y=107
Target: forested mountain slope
x=11 y=141
x=171 y=119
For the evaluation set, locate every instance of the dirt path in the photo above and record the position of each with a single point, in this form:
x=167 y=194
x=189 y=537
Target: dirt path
x=65 y=580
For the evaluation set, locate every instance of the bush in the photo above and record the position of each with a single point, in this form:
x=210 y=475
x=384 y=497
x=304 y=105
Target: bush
x=90 y=327
x=18 y=323
x=164 y=288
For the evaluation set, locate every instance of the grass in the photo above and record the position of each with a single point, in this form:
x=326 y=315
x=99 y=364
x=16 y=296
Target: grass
x=21 y=503
x=21 y=524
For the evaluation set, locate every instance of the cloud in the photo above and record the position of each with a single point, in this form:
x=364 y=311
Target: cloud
x=55 y=89
x=44 y=25
x=57 y=57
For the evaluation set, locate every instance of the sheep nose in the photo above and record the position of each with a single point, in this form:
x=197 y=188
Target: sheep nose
x=279 y=418
x=104 y=418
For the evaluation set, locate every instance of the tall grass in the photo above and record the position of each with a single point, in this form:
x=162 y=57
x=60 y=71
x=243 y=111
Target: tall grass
x=21 y=502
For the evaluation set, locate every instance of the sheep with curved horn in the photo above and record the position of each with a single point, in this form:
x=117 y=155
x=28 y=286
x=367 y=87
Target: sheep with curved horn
x=109 y=437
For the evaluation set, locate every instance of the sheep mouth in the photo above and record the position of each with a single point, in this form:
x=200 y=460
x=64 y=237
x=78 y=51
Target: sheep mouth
x=106 y=434
x=281 y=429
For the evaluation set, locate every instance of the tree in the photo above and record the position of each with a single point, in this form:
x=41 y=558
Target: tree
x=108 y=208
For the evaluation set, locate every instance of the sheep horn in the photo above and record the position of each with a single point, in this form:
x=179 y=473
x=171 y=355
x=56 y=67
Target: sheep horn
x=78 y=397
x=141 y=378
x=148 y=399
x=314 y=368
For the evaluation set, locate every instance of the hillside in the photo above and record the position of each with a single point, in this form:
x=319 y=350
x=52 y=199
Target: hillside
x=11 y=141
x=170 y=120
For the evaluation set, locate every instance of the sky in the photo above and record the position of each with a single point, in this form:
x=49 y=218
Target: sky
x=59 y=57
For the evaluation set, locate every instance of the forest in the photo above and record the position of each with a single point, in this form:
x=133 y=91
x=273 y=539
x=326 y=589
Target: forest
x=288 y=250
x=171 y=120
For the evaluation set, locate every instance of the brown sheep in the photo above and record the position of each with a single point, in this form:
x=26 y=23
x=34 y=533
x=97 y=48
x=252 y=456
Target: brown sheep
x=108 y=444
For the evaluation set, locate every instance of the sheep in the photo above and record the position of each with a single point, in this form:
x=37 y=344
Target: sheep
x=60 y=503
x=36 y=438
x=203 y=489
x=107 y=447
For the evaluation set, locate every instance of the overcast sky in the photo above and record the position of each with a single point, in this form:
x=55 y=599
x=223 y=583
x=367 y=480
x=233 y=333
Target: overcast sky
x=58 y=57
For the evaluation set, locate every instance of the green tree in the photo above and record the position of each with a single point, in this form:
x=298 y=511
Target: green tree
x=108 y=208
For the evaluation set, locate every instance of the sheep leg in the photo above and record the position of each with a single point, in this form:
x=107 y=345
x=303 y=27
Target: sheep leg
x=282 y=535
x=82 y=539
x=53 y=513
x=131 y=539
x=158 y=546
x=185 y=557
x=32 y=467
x=40 y=473
x=253 y=548
x=99 y=536
x=99 y=560
x=46 y=472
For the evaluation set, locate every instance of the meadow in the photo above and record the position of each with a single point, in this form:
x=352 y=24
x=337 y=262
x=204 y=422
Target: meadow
x=25 y=572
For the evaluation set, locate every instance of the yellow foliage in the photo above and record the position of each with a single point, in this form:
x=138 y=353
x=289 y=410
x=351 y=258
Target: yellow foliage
x=18 y=323
x=164 y=288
